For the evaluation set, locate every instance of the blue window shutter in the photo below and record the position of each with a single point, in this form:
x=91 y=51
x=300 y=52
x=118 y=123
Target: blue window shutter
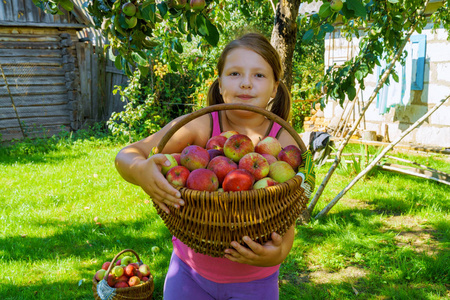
x=419 y=61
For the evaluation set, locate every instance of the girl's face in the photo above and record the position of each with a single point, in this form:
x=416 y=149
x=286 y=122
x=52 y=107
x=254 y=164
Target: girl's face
x=247 y=78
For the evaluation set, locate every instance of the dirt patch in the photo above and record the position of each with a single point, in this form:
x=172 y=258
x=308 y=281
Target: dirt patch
x=350 y=274
x=355 y=203
x=412 y=232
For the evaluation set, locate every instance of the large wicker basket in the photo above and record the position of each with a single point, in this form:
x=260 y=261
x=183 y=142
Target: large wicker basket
x=210 y=221
x=103 y=291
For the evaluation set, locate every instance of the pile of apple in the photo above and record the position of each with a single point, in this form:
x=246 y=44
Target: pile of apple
x=125 y=273
x=231 y=162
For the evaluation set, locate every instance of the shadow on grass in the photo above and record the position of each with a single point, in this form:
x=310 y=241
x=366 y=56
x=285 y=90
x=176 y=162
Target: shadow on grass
x=83 y=242
x=350 y=255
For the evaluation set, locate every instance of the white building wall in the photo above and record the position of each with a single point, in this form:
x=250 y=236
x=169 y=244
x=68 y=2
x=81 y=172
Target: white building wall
x=433 y=132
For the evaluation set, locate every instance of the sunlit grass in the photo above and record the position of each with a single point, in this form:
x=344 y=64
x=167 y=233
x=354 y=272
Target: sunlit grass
x=65 y=211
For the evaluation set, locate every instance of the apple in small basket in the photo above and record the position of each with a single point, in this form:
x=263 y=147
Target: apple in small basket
x=126 y=260
x=145 y=270
x=270 y=158
x=134 y=280
x=100 y=274
x=214 y=152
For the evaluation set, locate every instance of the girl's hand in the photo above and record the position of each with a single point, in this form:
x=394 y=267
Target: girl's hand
x=153 y=182
x=270 y=254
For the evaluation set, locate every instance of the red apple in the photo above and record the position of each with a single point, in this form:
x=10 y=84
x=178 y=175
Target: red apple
x=100 y=274
x=202 y=180
x=105 y=266
x=138 y=274
x=256 y=164
x=173 y=163
x=121 y=284
x=144 y=279
x=194 y=157
x=221 y=166
x=177 y=176
x=238 y=180
x=123 y=278
x=134 y=280
x=136 y=265
x=177 y=157
x=118 y=263
x=263 y=183
x=237 y=146
x=214 y=152
x=145 y=270
x=130 y=270
x=270 y=158
x=268 y=145
x=216 y=142
x=229 y=133
x=281 y=171
x=292 y=155
x=111 y=280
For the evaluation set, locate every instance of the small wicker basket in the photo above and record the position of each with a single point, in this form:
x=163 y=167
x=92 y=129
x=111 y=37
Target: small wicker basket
x=210 y=221
x=102 y=291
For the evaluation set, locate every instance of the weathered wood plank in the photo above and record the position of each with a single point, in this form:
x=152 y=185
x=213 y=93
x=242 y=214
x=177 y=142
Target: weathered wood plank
x=35 y=121
x=6 y=11
x=34 y=80
x=44 y=130
x=32 y=90
x=19 y=11
x=29 y=53
x=30 y=45
x=35 y=111
x=31 y=13
x=33 y=70
x=28 y=38
x=94 y=86
x=43 y=25
x=32 y=100
x=35 y=61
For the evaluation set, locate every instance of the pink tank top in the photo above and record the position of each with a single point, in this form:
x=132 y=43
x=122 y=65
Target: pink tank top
x=217 y=131
x=218 y=269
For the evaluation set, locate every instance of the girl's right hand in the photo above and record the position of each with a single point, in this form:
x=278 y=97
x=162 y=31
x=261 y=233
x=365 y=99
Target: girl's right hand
x=153 y=182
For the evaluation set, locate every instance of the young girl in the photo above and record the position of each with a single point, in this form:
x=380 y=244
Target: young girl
x=249 y=71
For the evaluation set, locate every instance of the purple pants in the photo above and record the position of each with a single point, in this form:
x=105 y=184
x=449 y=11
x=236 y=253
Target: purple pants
x=182 y=282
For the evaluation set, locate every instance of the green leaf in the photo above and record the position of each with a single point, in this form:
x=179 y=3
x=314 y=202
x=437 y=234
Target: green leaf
x=162 y=8
x=111 y=55
x=213 y=34
x=325 y=10
x=66 y=4
x=327 y=27
x=177 y=46
x=359 y=75
x=144 y=70
x=147 y=13
x=140 y=58
x=182 y=26
x=201 y=25
x=358 y=7
x=351 y=92
x=307 y=37
x=118 y=62
x=393 y=1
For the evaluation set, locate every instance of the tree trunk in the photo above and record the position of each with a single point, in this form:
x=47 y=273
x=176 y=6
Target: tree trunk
x=284 y=35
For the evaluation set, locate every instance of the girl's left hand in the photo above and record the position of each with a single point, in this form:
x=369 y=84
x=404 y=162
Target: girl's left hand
x=270 y=254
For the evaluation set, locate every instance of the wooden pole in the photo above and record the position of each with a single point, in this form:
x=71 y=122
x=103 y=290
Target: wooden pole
x=380 y=84
x=378 y=158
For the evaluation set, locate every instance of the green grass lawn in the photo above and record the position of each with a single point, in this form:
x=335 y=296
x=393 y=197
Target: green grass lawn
x=65 y=211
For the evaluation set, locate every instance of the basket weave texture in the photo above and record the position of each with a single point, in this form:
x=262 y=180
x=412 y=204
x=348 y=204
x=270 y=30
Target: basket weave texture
x=210 y=221
x=102 y=291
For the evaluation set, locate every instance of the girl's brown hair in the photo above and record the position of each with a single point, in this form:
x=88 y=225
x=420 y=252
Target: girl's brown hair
x=281 y=104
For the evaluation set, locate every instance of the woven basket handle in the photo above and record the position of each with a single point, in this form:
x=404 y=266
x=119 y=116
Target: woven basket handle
x=113 y=262
x=162 y=143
